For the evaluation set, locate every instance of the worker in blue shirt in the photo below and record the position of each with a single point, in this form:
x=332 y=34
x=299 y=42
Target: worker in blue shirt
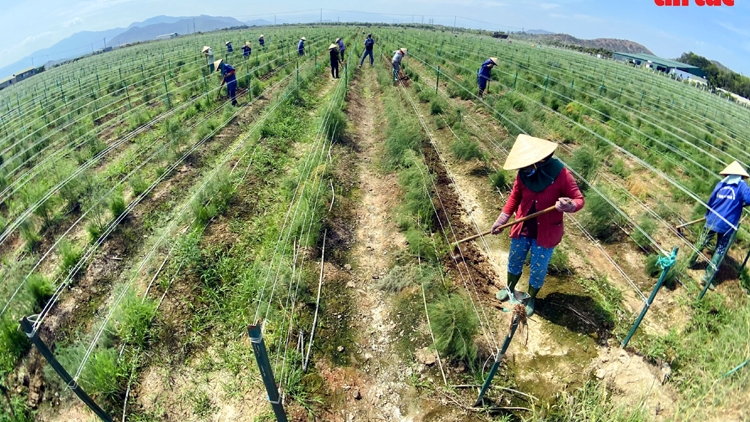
x=369 y=43
x=228 y=77
x=262 y=42
x=723 y=217
x=229 y=47
x=483 y=75
x=396 y=63
x=246 y=49
x=301 y=46
x=341 y=46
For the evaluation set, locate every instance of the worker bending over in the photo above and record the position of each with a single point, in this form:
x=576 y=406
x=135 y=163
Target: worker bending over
x=228 y=77
x=483 y=74
x=246 y=49
x=396 y=63
x=301 y=46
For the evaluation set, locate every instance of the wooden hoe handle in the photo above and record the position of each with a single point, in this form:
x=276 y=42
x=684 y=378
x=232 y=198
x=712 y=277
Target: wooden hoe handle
x=504 y=226
x=690 y=223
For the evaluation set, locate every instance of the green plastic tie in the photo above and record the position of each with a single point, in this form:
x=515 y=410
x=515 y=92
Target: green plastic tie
x=665 y=262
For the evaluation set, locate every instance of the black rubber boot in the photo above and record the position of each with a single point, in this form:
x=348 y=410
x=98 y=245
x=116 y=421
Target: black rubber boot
x=530 y=302
x=505 y=293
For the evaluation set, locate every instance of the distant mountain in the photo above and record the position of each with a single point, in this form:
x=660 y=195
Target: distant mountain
x=721 y=66
x=611 y=44
x=538 y=32
x=201 y=23
x=75 y=45
x=258 y=22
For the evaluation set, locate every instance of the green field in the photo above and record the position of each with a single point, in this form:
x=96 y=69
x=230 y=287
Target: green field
x=146 y=223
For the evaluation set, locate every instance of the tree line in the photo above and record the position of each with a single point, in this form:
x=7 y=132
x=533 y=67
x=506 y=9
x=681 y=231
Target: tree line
x=718 y=77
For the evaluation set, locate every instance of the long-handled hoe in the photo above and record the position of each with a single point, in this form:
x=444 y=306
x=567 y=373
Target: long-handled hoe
x=454 y=246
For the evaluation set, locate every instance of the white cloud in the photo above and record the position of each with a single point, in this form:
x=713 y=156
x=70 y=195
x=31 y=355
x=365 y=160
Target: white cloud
x=730 y=27
x=73 y=22
x=548 y=6
x=32 y=38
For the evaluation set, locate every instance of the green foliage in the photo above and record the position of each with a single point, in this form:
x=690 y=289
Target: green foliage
x=13 y=344
x=40 y=289
x=138 y=184
x=117 y=204
x=336 y=125
x=466 y=150
x=601 y=219
x=648 y=225
x=618 y=168
x=133 y=322
x=455 y=324
x=592 y=403
x=559 y=263
x=502 y=179
x=585 y=162
x=29 y=234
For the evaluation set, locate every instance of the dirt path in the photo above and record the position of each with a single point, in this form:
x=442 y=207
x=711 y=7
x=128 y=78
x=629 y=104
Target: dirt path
x=377 y=382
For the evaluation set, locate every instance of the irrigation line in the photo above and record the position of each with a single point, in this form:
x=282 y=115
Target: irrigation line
x=103 y=197
x=630 y=281
x=611 y=143
x=101 y=239
x=231 y=153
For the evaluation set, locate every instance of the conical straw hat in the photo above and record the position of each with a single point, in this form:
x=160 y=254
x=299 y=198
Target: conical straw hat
x=226 y=43
x=494 y=60
x=205 y=48
x=528 y=150
x=247 y=43
x=403 y=49
x=332 y=46
x=734 y=169
x=216 y=64
x=303 y=39
x=261 y=35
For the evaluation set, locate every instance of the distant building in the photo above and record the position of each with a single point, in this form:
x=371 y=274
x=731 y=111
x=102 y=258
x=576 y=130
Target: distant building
x=24 y=74
x=6 y=82
x=167 y=36
x=659 y=63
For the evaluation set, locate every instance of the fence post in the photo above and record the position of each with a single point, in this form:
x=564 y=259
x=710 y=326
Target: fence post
x=261 y=357
x=437 y=82
x=67 y=379
x=666 y=264
x=498 y=359
x=169 y=103
x=643 y=94
x=515 y=78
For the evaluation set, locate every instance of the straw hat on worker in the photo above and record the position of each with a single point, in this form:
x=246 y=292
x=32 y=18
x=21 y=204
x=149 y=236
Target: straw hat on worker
x=402 y=50
x=217 y=63
x=247 y=43
x=527 y=151
x=332 y=46
x=494 y=60
x=735 y=169
x=205 y=49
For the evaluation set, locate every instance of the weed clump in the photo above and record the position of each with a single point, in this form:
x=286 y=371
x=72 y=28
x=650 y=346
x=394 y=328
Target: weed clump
x=601 y=219
x=502 y=179
x=466 y=150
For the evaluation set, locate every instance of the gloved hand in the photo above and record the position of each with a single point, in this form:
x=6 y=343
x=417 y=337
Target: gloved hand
x=501 y=220
x=565 y=205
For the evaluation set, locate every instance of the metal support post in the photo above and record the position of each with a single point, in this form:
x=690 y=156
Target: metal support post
x=515 y=78
x=169 y=102
x=261 y=357
x=666 y=264
x=33 y=336
x=498 y=359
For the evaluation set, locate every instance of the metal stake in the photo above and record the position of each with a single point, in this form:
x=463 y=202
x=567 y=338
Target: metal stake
x=498 y=359
x=261 y=357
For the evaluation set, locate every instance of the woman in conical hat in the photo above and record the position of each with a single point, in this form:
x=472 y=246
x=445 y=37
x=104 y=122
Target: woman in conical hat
x=333 y=50
x=725 y=205
x=483 y=74
x=542 y=182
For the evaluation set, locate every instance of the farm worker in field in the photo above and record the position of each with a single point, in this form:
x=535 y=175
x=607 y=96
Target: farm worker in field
x=228 y=77
x=723 y=217
x=342 y=48
x=209 y=58
x=396 y=62
x=483 y=74
x=542 y=182
x=246 y=49
x=301 y=46
x=262 y=42
x=369 y=43
x=334 y=50
x=229 y=47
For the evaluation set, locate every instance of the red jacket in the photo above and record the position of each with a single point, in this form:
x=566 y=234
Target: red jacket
x=550 y=229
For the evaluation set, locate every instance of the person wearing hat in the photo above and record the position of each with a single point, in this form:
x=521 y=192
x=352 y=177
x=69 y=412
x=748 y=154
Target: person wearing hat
x=483 y=74
x=301 y=46
x=209 y=58
x=396 y=62
x=262 y=42
x=340 y=43
x=246 y=49
x=333 y=49
x=369 y=43
x=229 y=47
x=542 y=182
x=228 y=77
x=725 y=205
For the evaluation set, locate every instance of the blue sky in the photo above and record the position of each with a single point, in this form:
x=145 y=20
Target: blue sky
x=720 y=33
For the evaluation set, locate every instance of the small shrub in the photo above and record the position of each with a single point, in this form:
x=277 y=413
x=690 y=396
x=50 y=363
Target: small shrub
x=134 y=322
x=117 y=205
x=601 y=219
x=336 y=125
x=29 y=234
x=559 y=264
x=618 y=168
x=502 y=179
x=466 y=150
x=40 y=289
x=437 y=106
x=138 y=184
x=13 y=344
x=585 y=162
x=455 y=325
x=648 y=225
x=398 y=278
